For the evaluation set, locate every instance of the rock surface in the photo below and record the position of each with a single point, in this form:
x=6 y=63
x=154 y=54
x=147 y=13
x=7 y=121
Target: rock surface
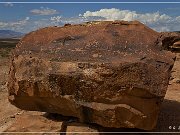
x=170 y=41
x=114 y=74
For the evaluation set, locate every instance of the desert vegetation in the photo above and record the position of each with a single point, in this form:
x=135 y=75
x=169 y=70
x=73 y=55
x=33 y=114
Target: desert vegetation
x=6 y=45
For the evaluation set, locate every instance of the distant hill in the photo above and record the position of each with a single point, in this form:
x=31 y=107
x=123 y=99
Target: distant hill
x=10 y=34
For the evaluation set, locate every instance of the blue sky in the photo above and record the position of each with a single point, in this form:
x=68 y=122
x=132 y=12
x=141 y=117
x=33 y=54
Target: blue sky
x=25 y=17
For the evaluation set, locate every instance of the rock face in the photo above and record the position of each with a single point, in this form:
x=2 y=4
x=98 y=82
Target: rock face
x=114 y=74
x=170 y=41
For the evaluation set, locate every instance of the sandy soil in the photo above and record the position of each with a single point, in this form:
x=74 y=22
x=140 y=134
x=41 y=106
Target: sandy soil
x=6 y=109
x=13 y=119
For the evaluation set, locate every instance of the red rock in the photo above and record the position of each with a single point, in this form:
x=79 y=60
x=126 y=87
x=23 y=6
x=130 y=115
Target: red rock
x=114 y=74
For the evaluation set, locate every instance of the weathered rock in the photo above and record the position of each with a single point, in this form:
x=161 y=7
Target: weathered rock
x=114 y=74
x=170 y=41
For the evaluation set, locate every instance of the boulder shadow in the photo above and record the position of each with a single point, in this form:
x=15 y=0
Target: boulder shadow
x=169 y=117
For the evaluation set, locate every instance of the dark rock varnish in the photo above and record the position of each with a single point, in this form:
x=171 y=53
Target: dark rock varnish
x=114 y=74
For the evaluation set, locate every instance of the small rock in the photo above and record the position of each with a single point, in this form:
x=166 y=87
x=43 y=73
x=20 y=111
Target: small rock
x=177 y=81
x=12 y=116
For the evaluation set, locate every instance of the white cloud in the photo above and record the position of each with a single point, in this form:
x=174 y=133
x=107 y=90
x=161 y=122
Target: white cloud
x=178 y=18
x=155 y=20
x=9 y=4
x=44 y=11
x=20 y=22
x=72 y=20
x=127 y=15
x=56 y=19
x=15 y=25
x=3 y=24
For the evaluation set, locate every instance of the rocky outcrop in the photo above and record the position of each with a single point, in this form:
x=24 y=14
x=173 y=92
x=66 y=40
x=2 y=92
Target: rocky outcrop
x=169 y=41
x=114 y=74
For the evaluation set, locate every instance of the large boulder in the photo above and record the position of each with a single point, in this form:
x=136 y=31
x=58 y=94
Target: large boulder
x=114 y=74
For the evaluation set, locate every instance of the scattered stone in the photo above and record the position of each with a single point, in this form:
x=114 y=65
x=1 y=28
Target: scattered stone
x=177 y=81
x=12 y=116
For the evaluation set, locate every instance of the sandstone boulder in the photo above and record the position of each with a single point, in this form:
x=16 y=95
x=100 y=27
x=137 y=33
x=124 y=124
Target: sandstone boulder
x=169 y=41
x=114 y=74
